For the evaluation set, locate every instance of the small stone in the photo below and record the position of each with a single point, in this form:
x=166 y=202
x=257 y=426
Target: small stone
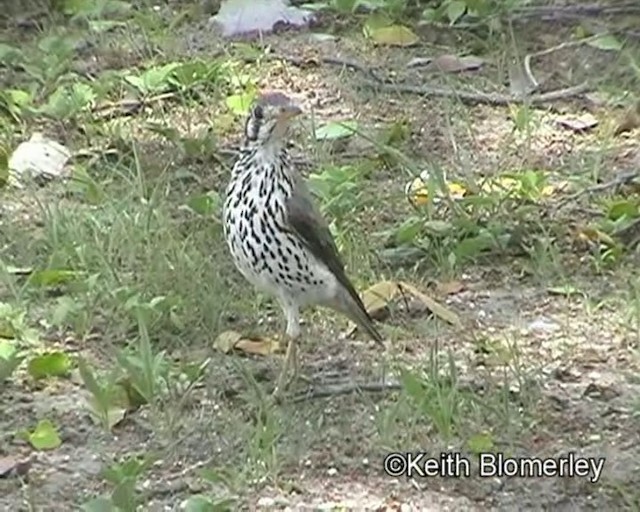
x=332 y=472
x=266 y=502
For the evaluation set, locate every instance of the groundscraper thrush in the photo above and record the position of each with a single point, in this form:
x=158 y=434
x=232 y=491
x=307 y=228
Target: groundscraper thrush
x=276 y=234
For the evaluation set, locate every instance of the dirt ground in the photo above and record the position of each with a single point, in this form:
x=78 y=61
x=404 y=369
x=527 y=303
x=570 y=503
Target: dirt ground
x=545 y=361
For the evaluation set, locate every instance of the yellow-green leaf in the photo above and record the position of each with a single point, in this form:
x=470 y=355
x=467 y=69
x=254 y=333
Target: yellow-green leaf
x=52 y=277
x=239 y=103
x=50 y=364
x=394 y=35
x=455 y=10
x=606 y=42
x=480 y=443
x=45 y=436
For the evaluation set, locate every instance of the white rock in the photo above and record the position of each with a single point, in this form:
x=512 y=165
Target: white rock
x=39 y=156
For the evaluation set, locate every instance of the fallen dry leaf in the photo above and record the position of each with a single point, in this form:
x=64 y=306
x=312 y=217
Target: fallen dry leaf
x=454 y=64
x=591 y=235
x=233 y=340
x=581 y=123
x=437 y=309
x=377 y=298
x=630 y=120
x=7 y=464
x=450 y=287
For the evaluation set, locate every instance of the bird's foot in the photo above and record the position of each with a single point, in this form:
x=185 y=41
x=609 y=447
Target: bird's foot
x=289 y=373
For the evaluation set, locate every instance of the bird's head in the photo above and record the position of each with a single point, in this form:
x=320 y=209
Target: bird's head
x=270 y=118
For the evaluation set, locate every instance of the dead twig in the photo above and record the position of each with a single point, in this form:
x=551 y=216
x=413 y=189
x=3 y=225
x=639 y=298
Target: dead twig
x=558 y=12
x=620 y=180
x=127 y=106
x=482 y=97
x=345 y=389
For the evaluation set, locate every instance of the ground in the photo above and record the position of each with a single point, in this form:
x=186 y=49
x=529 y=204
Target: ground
x=122 y=272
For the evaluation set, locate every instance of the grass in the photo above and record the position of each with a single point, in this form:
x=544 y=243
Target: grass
x=115 y=284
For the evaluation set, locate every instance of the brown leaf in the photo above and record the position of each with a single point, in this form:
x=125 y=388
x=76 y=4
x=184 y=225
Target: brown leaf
x=581 y=123
x=590 y=234
x=261 y=347
x=7 y=465
x=437 y=309
x=630 y=120
x=377 y=297
x=10 y=466
x=450 y=287
x=233 y=340
x=226 y=341
x=454 y=64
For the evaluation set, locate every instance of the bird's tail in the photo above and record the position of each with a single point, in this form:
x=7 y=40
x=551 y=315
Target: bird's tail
x=355 y=310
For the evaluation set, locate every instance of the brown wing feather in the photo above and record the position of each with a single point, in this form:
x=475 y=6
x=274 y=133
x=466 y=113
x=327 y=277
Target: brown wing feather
x=307 y=222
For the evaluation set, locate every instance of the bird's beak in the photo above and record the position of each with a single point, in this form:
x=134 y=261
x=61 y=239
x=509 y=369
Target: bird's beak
x=289 y=112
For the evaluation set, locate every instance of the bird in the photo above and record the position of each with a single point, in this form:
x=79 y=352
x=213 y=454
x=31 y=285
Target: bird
x=277 y=237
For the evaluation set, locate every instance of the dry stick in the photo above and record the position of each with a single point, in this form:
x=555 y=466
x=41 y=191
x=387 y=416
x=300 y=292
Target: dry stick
x=482 y=97
x=558 y=12
x=345 y=389
x=621 y=179
x=466 y=96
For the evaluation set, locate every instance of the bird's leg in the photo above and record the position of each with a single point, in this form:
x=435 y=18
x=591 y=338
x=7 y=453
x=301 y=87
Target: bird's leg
x=292 y=333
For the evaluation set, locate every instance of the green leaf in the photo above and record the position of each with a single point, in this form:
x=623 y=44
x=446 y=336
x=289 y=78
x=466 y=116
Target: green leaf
x=4 y=167
x=201 y=503
x=480 y=443
x=239 y=104
x=193 y=73
x=124 y=495
x=344 y=6
x=440 y=227
x=625 y=208
x=408 y=230
x=566 y=290
x=606 y=42
x=67 y=101
x=52 y=277
x=7 y=349
x=205 y=204
x=51 y=364
x=455 y=10
x=153 y=80
x=45 y=436
x=19 y=97
x=109 y=415
x=10 y=55
x=8 y=365
x=336 y=130
x=89 y=379
x=412 y=386
x=394 y=35
x=100 y=504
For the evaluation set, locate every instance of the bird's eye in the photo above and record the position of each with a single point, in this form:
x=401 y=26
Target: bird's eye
x=258 y=112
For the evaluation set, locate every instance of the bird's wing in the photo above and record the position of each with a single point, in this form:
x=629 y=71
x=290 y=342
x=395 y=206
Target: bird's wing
x=307 y=223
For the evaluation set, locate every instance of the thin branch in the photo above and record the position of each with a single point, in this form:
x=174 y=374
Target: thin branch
x=573 y=11
x=621 y=179
x=345 y=389
x=482 y=97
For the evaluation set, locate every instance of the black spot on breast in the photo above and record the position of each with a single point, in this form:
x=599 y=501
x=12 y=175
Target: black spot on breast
x=282 y=256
